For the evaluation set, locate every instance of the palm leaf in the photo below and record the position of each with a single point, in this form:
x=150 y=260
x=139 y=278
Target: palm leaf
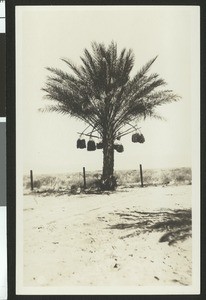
x=100 y=90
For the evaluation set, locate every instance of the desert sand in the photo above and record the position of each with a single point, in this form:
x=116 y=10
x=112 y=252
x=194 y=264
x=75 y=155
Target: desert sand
x=94 y=240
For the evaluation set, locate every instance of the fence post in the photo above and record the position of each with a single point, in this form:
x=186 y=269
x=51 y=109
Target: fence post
x=84 y=176
x=31 y=179
x=141 y=175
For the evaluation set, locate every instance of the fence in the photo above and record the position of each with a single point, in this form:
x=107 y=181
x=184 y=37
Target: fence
x=84 y=178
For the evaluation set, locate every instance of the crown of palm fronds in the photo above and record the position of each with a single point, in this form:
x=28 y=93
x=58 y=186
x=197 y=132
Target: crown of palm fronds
x=101 y=92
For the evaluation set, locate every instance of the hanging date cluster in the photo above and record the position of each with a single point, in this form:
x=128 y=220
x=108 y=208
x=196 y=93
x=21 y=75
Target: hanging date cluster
x=92 y=145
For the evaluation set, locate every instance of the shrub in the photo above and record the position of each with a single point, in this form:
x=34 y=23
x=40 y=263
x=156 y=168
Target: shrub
x=74 y=189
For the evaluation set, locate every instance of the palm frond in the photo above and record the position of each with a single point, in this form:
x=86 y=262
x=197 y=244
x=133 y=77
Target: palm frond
x=100 y=90
x=74 y=68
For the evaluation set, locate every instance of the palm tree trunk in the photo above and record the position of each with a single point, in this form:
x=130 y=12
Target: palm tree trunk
x=108 y=159
x=108 y=181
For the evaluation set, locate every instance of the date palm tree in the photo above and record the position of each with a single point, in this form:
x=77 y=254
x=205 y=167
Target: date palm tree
x=101 y=93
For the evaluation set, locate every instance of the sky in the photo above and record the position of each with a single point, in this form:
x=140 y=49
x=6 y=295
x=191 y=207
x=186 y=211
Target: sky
x=46 y=142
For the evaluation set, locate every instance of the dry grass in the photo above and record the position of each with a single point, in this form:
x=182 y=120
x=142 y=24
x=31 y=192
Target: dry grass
x=73 y=183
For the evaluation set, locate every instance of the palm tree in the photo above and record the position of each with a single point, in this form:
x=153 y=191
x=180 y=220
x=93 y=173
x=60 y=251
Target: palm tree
x=101 y=93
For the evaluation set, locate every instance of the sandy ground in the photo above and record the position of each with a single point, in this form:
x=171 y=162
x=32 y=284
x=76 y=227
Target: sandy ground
x=68 y=240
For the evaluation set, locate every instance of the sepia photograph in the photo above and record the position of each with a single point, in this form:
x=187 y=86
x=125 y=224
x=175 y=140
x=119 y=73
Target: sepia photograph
x=107 y=150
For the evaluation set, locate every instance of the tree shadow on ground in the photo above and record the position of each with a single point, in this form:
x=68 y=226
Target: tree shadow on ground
x=176 y=224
